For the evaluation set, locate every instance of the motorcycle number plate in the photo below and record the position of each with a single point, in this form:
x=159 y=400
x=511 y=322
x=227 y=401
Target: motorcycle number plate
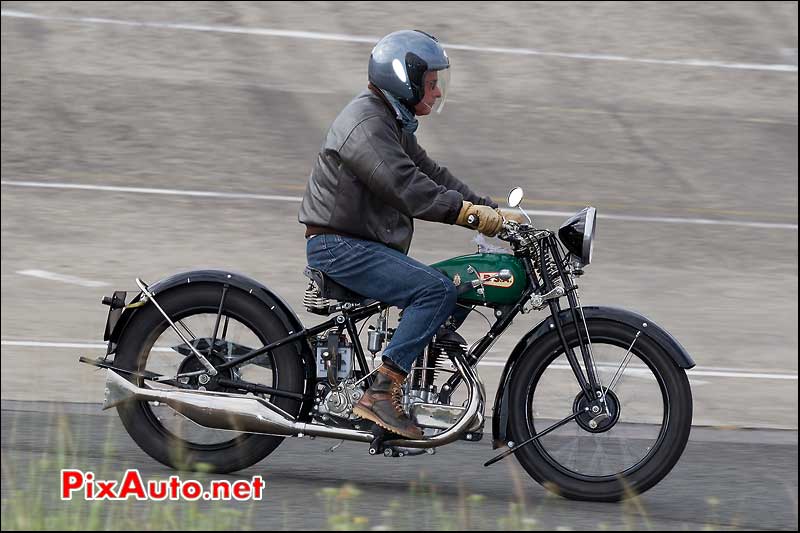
x=114 y=312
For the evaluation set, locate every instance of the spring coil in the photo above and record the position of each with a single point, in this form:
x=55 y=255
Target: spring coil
x=313 y=300
x=438 y=358
x=550 y=266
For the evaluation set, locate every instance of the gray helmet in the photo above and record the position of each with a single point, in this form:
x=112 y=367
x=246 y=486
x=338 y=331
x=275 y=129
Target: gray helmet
x=400 y=60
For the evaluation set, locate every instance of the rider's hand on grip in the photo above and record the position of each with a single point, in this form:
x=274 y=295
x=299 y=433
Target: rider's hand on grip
x=481 y=217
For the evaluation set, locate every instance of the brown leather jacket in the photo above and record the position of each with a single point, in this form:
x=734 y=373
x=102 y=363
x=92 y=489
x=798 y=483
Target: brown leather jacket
x=371 y=179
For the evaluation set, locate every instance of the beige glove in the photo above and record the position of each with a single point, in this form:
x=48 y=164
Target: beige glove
x=513 y=214
x=489 y=220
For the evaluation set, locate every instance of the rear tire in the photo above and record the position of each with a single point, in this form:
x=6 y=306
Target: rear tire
x=243 y=449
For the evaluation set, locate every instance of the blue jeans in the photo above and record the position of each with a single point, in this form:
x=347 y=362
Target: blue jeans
x=377 y=271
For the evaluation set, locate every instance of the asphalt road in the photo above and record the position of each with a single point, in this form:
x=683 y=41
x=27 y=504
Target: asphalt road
x=727 y=479
x=677 y=120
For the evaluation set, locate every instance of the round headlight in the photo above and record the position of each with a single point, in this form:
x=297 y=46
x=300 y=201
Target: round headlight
x=577 y=234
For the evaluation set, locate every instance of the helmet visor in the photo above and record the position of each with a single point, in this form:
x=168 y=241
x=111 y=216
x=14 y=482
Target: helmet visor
x=443 y=84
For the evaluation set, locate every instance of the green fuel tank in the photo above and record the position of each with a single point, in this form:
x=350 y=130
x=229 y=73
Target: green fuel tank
x=486 y=266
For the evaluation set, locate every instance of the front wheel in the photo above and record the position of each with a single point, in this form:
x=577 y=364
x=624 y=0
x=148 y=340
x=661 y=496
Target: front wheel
x=602 y=456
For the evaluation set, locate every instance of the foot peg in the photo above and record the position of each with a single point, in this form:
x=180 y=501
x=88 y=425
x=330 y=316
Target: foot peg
x=376 y=447
x=396 y=451
x=380 y=434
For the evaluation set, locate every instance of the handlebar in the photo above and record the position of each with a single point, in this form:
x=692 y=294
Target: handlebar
x=508 y=232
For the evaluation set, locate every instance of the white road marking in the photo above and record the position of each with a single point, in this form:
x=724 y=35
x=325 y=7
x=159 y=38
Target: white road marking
x=697 y=371
x=319 y=36
x=41 y=344
x=76 y=345
x=147 y=190
x=63 y=278
x=607 y=57
x=674 y=220
x=272 y=197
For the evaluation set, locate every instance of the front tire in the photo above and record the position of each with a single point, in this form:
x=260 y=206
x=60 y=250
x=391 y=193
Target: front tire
x=641 y=441
x=193 y=447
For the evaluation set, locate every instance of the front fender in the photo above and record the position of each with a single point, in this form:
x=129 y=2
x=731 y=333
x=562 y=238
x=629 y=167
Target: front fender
x=662 y=337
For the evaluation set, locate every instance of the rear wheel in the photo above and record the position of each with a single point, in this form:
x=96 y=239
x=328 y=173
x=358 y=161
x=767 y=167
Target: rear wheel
x=601 y=456
x=150 y=344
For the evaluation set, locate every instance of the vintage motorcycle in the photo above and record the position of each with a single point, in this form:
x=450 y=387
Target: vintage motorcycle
x=211 y=370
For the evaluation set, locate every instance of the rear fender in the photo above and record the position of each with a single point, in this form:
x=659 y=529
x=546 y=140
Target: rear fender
x=269 y=298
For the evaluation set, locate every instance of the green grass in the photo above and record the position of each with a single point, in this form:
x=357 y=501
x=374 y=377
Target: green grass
x=35 y=507
x=31 y=499
x=31 y=493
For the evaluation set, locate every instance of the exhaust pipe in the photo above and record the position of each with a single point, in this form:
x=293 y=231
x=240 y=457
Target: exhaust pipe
x=220 y=410
x=251 y=414
x=475 y=401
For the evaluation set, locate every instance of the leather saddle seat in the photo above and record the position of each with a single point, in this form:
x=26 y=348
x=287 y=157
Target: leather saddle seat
x=331 y=290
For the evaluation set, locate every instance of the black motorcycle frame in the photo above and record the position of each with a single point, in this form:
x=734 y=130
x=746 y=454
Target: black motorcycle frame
x=348 y=317
x=544 y=256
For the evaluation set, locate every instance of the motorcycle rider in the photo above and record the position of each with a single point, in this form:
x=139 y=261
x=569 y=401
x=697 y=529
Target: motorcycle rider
x=370 y=180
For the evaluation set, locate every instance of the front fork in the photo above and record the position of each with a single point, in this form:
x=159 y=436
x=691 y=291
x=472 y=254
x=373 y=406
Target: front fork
x=592 y=389
x=590 y=384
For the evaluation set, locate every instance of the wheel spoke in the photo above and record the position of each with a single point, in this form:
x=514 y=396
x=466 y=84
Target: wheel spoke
x=240 y=335
x=623 y=364
x=185 y=327
x=595 y=464
x=605 y=449
x=225 y=328
x=219 y=315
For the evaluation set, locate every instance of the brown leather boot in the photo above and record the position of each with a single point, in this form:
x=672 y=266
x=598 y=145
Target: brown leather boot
x=381 y=403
